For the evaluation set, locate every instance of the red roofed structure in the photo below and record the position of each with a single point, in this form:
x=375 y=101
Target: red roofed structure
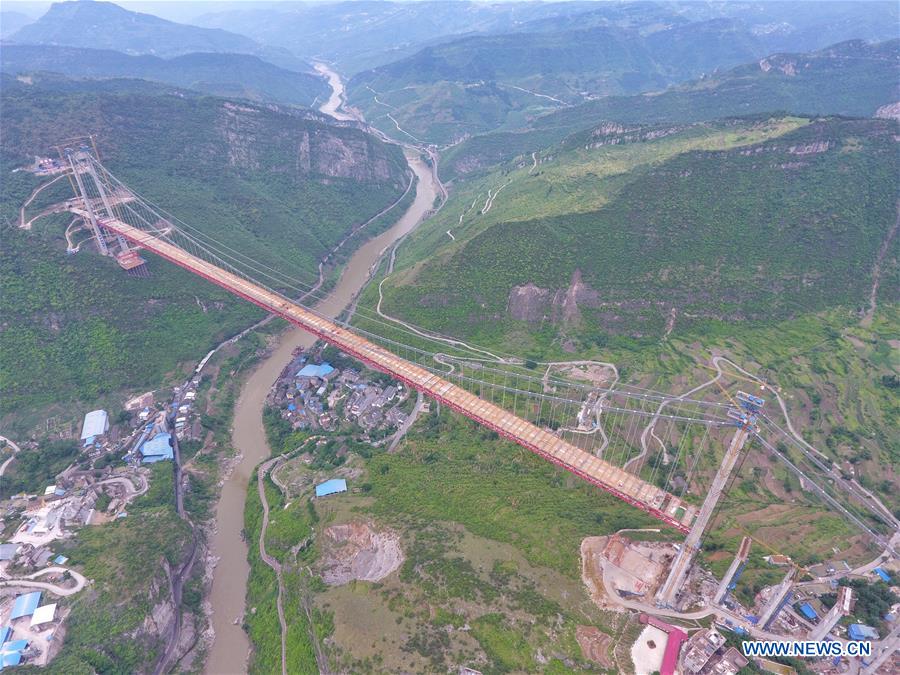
x=675 y=638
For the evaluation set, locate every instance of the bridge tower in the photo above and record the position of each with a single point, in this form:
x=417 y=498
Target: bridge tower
x=781 y=595
x=100 y=213
x=745 y=415
x=107 y=205
x=78 y=164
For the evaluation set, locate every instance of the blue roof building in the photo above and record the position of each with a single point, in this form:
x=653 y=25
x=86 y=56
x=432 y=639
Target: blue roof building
x=885 y=577
x=860 y=631
x=331 y=487
x=4 y=634
x=807 y=610
x=157 y=449
x=11 y=653
x=25 y=605
x=313 y=370
x=10 y=659
x=15 y=645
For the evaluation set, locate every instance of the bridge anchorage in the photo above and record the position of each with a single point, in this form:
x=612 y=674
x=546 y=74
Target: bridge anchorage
x=654 y=451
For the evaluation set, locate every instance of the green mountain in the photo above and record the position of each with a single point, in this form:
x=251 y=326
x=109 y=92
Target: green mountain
x=478 y=84
x=603 y=59
x=778 y=26
x=851 y=78
x=638 y=231
x=235 y=75
x=104 y=25
x=280 y=185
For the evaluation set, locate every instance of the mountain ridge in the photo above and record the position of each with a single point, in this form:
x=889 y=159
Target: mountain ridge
x=97 y=24
x=851 y=78
x=224 y=74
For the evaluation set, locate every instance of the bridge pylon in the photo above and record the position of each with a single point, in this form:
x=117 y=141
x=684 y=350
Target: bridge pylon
x=745 y=416
x=76 y=161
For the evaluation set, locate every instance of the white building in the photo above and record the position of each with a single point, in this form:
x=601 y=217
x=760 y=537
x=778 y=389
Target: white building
x=43 y=615
x=96 y=423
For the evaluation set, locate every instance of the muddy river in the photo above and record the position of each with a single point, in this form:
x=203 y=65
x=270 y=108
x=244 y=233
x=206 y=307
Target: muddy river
x=231 y=647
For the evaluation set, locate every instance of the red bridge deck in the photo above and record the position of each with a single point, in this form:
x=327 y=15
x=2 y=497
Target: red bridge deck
x=624 y=485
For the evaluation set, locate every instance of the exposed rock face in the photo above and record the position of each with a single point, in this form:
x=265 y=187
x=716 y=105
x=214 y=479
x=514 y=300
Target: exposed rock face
x=528 y=303
x=610 y=133
x=889 y=111
x=532 y=303
x=307 y=146
x=609 y=128
x=358 y=551
x=814 y=148
x=785 y=65
x=158 y=622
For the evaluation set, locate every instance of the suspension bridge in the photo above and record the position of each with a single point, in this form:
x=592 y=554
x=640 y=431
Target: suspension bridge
x=651 y=450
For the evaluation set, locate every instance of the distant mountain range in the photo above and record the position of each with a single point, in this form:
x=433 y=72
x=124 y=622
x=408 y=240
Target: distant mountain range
x=852 y=78
x=600 y=60
x=447 y=91
x=236 y=75
x=357 y=35
x=104 y=25
x=361 y=35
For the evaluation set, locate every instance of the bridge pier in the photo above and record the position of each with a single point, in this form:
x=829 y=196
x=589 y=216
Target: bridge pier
x=730 y=576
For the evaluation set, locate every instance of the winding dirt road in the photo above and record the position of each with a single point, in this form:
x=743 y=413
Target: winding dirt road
x=269 y=560
x=26 y=225
x=16 y=450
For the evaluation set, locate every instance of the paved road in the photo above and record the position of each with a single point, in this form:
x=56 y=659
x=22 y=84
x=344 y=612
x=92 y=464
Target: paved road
x=649 y=429
x=27 y=225
x=401 y=432
x=130 y=490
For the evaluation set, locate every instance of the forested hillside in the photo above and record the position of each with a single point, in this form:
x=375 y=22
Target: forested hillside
x=278 y=185
x=235 y=75
x=640 y=232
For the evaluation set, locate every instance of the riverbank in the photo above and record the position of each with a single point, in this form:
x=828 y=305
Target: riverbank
x=231 y=646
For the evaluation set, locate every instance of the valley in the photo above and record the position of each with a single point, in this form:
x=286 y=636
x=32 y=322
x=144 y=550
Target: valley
x=600 y=362
x=230 y=645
